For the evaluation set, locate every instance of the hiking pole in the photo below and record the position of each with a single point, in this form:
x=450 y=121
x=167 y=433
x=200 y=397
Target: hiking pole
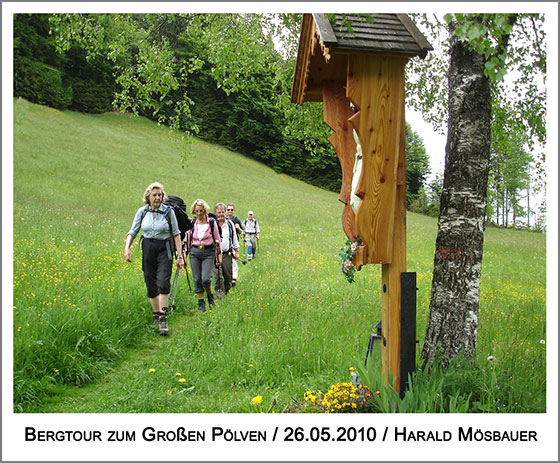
x=173 y=290
x=188 y=279
x=187 y=272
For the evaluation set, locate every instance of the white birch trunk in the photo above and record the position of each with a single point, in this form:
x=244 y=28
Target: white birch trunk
x=453 y=319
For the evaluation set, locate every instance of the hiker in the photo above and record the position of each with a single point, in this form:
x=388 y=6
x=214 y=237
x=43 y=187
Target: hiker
x=223 y=275
x=251 y=233
x=230 y=211
x=158 y=223
x=204 y=249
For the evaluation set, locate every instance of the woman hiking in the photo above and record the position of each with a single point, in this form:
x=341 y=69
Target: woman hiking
x=159 y=233
x=205 y=252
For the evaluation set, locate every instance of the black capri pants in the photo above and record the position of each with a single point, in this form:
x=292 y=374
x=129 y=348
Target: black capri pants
x=203 y=262
x=156 y=266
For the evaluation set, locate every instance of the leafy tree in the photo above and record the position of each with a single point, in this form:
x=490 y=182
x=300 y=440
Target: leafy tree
x=417 y=165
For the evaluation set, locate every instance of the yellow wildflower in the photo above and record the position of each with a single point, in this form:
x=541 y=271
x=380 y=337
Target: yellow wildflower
x=151 y=370
x=257 y=400
x=182 y=380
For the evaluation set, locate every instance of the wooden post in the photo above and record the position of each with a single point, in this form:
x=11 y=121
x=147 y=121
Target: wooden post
x=376 y=87
x=391 y=276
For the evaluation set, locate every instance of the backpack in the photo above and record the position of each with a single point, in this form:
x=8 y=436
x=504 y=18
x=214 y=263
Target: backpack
x=180 y=209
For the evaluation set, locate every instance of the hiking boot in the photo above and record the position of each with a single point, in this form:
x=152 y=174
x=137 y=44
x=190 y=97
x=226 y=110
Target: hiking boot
x=201 y=305
x=211 y=300
x=162 y=322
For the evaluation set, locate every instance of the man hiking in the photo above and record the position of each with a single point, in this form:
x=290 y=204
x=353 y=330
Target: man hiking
x=252 y=234
x=230 y=252
x=230 y=212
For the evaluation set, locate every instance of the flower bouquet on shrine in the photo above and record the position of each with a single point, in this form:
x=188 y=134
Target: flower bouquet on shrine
x=346 y=257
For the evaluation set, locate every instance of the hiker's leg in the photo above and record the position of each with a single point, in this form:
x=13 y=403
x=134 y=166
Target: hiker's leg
x=165 y=268
x=249 y=249
x=227 y=271
x=218 y=283
x=234 y=271
x=196 y=269
x=149 y=267
x=207 y=266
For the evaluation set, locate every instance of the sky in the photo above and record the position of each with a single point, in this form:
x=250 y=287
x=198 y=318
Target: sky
x=433 y=141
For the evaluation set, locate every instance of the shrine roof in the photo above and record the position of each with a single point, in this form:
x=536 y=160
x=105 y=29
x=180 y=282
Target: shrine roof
x=323 y=46
x=373 y=32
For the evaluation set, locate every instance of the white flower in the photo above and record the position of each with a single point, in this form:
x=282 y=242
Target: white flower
x=542 y=341
x=490 y=358
x=71 y=241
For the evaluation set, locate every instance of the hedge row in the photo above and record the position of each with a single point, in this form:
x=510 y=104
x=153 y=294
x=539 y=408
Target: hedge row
x=43 y=84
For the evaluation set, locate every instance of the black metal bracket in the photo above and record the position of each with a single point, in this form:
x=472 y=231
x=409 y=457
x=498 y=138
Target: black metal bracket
x=372 y=338
x=408 y=328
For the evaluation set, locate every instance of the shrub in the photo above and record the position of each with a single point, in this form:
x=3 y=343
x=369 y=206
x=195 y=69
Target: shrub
x=91 y=97
x=41 y=84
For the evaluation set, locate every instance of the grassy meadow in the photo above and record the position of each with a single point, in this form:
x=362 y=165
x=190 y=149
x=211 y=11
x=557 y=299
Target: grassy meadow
x=81 y=321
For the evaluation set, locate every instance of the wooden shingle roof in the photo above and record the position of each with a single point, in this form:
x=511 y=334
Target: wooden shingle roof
x=324 y=47
x=373 y=32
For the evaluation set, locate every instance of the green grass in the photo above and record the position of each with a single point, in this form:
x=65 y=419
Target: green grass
x=82 y=341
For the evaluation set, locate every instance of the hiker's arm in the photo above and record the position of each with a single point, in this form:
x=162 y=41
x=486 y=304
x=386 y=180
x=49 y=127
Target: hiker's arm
x=129 y=239
x=180 y=257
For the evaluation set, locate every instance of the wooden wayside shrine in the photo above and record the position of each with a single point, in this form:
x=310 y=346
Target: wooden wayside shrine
x=358 y=74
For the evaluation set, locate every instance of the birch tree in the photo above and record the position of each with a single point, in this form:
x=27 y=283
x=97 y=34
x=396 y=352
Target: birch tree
x=480 y=55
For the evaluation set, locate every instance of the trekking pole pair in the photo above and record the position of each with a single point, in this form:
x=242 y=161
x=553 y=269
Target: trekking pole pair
x=175 y=284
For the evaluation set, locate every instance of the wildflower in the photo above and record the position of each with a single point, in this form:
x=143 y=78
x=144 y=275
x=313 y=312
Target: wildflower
x=251 y=365
x=348 y=264
x=490 y=358
x=182 y=380
x=542 y=341
x=178 y=374
x=352 y=369
x=257 y=400
x=56 y=371
x=353 y=247
x=151 y=370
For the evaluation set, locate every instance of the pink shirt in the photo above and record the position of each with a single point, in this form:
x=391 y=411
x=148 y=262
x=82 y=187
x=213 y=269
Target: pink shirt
x=208 y=238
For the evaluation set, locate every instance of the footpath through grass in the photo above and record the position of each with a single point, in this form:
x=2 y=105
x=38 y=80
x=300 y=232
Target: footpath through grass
x=81 y=321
